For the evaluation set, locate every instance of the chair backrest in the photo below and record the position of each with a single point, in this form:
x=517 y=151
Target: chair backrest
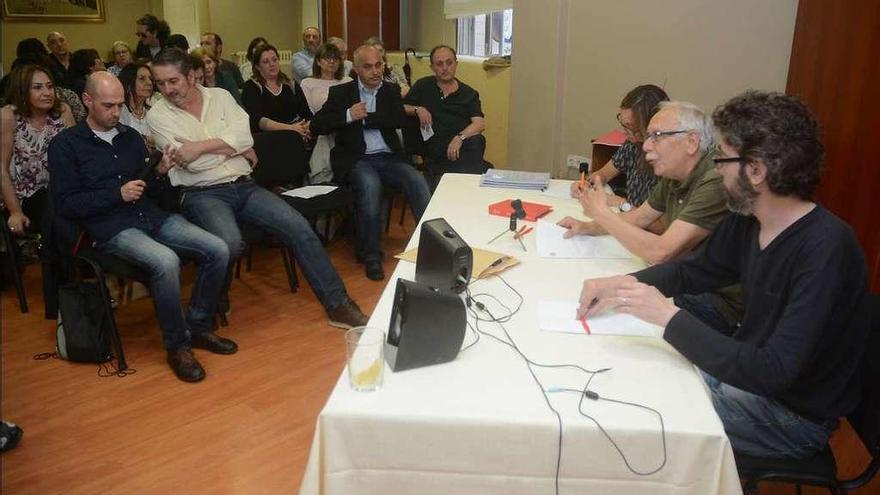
x=866 y=418
x=282 y=159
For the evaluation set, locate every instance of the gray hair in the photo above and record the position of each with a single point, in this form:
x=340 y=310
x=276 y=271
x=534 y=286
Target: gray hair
x=335 y=40
x=692 y=118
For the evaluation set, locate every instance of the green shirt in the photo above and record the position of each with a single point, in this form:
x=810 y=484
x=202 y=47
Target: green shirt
x=698 y=200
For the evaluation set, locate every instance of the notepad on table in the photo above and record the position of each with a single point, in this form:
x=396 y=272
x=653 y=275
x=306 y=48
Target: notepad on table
x=561 y=316
x=551 y=244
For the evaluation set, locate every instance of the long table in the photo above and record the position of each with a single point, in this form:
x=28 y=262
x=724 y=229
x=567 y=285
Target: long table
x=480 y=424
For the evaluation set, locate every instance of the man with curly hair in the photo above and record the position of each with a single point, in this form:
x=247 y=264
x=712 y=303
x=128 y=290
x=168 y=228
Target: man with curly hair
x=782 y=380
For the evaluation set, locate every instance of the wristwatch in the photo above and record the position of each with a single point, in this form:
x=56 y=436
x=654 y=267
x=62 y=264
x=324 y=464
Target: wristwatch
x=462 y=137
x=625 y=206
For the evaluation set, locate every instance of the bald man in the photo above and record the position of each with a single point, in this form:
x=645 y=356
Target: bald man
x=60 y=57
x=302 y=60
x=99 y=180
x=365 y=114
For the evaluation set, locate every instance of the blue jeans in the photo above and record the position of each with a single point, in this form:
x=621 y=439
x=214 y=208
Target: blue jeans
x=158 y=252
x=762 y=427
x=367 y=177
x=218 y=209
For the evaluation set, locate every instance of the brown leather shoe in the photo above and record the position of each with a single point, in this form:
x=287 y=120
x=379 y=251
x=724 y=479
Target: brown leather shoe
x=347 y=315
x=185 y=365
x=214 y=343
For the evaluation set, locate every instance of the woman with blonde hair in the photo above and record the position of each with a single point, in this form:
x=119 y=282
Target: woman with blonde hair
x=212 y=76
x=120 y=55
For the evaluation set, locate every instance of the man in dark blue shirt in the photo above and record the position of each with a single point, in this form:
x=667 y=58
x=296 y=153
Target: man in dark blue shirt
x=783 y=378
x=95 y=168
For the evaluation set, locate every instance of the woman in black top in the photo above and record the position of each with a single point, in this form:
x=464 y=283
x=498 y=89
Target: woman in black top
x=277 y=104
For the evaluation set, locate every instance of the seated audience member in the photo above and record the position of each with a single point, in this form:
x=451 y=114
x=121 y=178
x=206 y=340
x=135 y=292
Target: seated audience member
x=452 y=109
x=137 y=84
x=275 y=103
x=365 y=114
x=779 y=383
x=636 y=110
x=59 y=58
x=121 y=57
x=213 y=42
x=302 y=60
x=327 y=72
x=32 y=51
x=247 y=68
x=342 y=46
x=178 y=41
x=390 y=73
x=153 y=34
x=198 y=69
x=212 y=153
x=211 y=77
x=95 y=169
x=689 y=198
x=83 y=62
x=33 y=116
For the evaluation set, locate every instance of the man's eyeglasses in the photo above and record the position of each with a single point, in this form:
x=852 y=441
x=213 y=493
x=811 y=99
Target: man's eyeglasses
x=655 y=135
x=720 y=162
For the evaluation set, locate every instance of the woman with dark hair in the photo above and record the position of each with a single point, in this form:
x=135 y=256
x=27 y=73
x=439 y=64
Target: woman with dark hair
x=32 y=51
x=153 y=34
x=137 y=81
x=327 y=71
x=636 y=110
x=247 y=68
x=82 y=63
x=212 y=77
x=273 y=101
x=32 y=117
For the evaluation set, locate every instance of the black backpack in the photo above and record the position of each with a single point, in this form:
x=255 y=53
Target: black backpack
x=83 y=328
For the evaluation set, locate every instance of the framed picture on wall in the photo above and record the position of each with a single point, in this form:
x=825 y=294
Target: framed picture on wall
x=53 y=10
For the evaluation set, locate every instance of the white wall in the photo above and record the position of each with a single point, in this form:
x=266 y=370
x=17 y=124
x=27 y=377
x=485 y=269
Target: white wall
x=573 y=61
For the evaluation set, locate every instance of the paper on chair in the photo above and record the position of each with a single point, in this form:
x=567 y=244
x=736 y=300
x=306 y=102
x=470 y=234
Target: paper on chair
x=307 y=192
x=427 y=132
x=551 y=244
x=560 y=316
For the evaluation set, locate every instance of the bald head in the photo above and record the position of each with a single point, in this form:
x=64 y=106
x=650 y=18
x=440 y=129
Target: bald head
x=104 y=97
x=369 y=66
x=57 y=44
x=364 y=51
x=311 y=39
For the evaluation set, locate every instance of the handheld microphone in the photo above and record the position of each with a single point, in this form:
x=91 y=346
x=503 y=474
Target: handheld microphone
x=151 y=163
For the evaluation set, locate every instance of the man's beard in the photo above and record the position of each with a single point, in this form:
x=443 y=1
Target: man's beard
x=741 y=198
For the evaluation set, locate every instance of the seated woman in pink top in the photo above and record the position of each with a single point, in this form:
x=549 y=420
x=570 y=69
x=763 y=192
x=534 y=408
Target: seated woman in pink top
x=327 y=71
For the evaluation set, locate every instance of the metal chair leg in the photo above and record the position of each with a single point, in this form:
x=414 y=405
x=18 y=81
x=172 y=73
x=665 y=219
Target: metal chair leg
x=290 y=268
x=12 y=258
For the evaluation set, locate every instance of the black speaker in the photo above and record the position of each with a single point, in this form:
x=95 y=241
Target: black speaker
x=427 y=326
x=444 y=260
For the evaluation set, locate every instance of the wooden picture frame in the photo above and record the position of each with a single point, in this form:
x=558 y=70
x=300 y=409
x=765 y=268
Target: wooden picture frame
x=53 y=10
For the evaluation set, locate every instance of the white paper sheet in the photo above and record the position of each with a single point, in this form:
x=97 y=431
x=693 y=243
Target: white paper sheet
x=427 y=132
x=307 y=192
x=560 y=316
x=551 y=244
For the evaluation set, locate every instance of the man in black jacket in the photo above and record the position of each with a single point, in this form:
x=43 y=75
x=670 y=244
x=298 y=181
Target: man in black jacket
x=783 y=378
x=365 y=114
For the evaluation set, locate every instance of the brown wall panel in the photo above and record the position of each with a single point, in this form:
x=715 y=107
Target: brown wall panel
x=391 y=24
x=835 y=69
x=363 y=21
x=334 y=18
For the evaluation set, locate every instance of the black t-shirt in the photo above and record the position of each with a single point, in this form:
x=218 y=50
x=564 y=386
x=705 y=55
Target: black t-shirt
x=288 y=106
x=450 y=114
x=802 y=335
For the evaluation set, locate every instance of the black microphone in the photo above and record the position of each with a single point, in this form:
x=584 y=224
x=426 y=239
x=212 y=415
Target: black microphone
x=517 y=206
x=151 y=163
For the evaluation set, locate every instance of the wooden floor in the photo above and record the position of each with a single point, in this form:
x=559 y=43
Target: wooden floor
x=246 y=429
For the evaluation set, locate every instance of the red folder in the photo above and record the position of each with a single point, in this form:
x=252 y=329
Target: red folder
x=534 y=211
x=613 y=138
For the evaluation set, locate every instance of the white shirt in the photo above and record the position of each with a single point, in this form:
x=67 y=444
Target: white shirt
x=317 y=90
x=221 y=118
x=131 y=120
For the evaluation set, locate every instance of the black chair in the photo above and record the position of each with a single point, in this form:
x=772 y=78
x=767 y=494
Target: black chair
x=279 y=170
x=821 y=469
x=12 y=262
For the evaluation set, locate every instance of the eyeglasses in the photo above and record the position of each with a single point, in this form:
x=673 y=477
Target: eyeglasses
x=655 y=135
x=624 y=126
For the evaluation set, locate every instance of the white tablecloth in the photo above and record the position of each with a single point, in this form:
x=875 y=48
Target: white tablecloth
x=479 y=425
